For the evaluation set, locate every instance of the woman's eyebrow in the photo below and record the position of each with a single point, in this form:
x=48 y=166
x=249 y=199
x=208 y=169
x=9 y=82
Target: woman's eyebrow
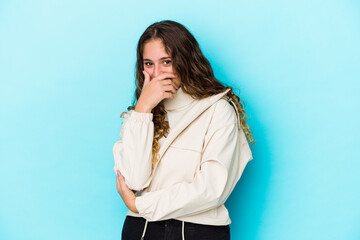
x=146 y=59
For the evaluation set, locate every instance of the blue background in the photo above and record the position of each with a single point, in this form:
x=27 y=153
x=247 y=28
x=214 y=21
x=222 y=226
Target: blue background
x=67 y=72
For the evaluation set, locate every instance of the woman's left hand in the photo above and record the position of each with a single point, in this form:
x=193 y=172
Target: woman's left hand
x=126 y=194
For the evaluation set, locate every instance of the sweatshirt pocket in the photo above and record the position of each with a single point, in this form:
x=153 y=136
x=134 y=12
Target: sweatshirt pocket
x=189 y=140
x=182 y=161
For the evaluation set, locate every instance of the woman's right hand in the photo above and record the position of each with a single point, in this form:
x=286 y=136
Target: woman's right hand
x=155 y=90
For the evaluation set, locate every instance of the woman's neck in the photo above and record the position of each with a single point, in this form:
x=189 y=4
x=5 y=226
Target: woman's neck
x=180 y=101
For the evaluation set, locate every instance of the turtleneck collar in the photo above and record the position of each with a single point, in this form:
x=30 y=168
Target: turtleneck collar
x=180 y=101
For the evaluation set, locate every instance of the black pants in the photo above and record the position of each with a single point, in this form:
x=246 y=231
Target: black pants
x=172 y=230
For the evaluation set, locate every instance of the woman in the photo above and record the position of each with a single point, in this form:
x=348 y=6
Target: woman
x=184 y=145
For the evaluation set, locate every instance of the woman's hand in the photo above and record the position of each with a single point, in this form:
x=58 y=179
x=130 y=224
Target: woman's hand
x=126 y=194
x=154 y=91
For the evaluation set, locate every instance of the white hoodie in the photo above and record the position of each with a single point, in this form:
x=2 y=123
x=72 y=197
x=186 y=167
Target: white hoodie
x=201 y=160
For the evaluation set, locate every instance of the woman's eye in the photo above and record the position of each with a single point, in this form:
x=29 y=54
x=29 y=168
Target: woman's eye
x=147 y=63
x=166 y=62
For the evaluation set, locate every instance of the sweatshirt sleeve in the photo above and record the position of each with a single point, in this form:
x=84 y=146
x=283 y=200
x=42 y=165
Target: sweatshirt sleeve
x=221 y=168
x=132 y=153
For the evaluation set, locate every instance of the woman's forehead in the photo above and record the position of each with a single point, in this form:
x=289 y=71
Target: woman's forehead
x=155 y=50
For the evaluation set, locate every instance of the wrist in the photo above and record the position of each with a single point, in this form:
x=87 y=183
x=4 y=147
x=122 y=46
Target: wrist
x=142 y=108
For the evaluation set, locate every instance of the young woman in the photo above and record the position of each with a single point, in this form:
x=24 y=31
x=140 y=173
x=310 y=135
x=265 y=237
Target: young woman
x=184 y=145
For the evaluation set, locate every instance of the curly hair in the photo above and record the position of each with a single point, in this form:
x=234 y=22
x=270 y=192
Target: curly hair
x=196 y=74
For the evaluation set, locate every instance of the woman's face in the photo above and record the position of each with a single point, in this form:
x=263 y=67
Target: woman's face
x=157 y=60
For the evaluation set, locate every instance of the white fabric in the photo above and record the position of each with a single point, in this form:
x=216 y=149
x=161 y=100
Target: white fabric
x=140 y=126
x=180 y=101
x=201 y=160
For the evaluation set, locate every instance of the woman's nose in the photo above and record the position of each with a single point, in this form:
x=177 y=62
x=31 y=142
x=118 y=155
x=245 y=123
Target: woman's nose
x=157 y=70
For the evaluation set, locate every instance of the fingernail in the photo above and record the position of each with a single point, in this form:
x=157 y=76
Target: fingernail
x=118 y=173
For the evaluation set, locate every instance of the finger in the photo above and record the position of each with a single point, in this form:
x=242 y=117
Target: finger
x=169 y=95
x=125 y=189
x=169 y=88
x=163 y=76
x=169 y=82
x=121 y=178
x=118 y=174
x=118 y=181
x=146 y=78
x=166 y=82
x=122 y=182
x=121 y=186
x=118 y=188
x=175 y=86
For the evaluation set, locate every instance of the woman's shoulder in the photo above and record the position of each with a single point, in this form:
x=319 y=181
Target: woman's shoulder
x=223 y=112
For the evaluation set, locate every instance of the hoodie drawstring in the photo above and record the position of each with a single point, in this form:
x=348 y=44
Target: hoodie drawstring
x=143 y=235
x=183 y=230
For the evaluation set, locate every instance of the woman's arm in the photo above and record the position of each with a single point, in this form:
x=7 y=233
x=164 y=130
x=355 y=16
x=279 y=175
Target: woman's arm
x=132 y=153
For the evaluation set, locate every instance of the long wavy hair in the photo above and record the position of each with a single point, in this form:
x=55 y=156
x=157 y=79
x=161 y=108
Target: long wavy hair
x=196 y=74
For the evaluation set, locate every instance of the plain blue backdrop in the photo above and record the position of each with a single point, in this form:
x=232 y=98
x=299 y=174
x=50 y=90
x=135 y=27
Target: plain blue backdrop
x=67 y=72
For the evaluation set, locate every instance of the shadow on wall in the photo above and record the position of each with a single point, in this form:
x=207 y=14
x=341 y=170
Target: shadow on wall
x=246 y=204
